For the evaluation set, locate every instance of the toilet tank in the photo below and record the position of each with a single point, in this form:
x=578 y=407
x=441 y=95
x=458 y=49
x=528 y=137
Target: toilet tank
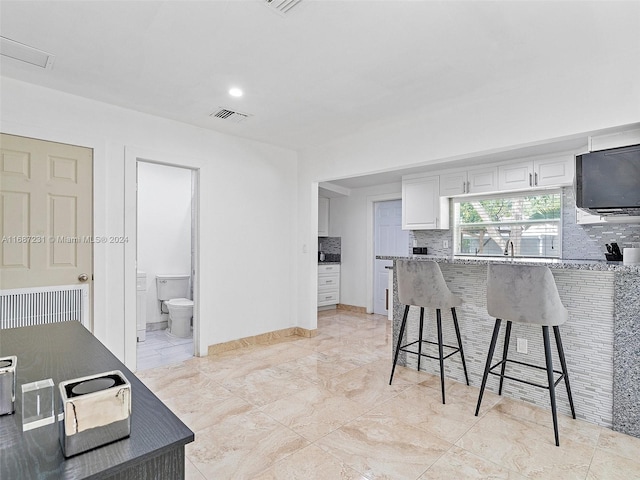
x=172 y=286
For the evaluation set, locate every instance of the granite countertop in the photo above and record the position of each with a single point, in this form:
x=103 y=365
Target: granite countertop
x=597 y=265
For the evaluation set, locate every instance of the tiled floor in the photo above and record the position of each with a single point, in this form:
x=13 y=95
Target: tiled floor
x=321 y=408
x=161 y=348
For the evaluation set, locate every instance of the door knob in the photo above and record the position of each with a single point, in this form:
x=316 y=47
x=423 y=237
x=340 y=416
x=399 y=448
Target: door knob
x=83 y=277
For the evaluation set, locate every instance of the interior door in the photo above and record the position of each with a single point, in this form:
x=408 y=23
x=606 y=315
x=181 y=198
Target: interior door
x=391 y=240
x=46 y=203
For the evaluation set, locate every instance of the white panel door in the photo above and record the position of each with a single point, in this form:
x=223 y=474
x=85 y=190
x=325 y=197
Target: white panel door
x=389 y=239
x=46 y=206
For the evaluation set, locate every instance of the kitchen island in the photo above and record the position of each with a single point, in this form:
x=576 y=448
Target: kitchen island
x=601 y=338
x=64 y=351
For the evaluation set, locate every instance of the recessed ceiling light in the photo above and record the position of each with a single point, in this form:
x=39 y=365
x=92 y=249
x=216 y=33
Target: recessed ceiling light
x=235 y=92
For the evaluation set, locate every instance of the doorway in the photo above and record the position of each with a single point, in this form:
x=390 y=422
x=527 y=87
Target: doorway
x=166 y=227
x=389 y=239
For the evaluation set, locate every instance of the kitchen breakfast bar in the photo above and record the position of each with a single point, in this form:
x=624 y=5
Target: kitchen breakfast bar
x=601 y=338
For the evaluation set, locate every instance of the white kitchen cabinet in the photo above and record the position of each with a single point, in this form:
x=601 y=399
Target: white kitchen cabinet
x=542 y=172
x=422 y=206
x=328 y=285
x=586 y=218
x=477 y=180
x=323 y=217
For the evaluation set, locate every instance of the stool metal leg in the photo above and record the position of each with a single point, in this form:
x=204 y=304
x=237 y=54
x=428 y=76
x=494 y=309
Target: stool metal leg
x=420 y=336
x=505 y=349
x=492 y=347
x=563 y=363
x=402 y=326
x=440 y=351
x=455 y=324
x=552 y=391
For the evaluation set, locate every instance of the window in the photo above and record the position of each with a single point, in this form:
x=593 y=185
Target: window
x=483 y=225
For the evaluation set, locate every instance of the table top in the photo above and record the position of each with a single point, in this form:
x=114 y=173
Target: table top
x=65 y=351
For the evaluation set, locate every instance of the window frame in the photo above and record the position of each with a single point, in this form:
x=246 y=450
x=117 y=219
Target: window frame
x=507 y=195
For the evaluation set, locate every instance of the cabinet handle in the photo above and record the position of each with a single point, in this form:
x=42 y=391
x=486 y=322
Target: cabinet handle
x=536 y=179
x=464 y=187
x=436 y=222
x=468 y=187
x=530 y=180
x=329 y=281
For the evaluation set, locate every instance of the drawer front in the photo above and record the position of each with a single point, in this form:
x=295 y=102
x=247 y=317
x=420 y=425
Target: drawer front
x=328 y=298
x=322 y=269
x=328 y=280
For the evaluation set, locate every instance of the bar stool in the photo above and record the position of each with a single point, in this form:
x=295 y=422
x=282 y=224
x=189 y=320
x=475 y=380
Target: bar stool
x=528 y=295
x=422 y=284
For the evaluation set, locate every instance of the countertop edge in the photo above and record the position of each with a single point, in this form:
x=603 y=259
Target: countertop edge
x=593 y=265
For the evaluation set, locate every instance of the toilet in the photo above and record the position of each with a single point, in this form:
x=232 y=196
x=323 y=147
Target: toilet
x=173 y=291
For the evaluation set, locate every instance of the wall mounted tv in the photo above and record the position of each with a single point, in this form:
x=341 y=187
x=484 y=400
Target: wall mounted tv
x=608 y=181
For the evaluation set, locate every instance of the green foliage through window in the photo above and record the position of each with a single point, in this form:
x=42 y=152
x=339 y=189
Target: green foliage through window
x=484 y=225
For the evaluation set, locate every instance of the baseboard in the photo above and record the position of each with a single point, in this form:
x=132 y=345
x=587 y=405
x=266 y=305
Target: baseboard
x=269 y=337
x=157 y=326
x=352 y=308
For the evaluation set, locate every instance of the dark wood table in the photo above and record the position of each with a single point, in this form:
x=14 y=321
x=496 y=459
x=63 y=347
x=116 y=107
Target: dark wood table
x=67 y=350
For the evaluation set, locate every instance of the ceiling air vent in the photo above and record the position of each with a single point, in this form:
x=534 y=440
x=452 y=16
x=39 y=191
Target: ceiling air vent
x=230 y=115
x=25 y=53
x=281 y=6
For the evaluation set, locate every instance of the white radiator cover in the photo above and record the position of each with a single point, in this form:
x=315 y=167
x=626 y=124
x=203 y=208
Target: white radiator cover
x=24 y=307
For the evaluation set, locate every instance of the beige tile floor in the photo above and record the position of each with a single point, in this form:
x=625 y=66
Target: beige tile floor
x=321 y=408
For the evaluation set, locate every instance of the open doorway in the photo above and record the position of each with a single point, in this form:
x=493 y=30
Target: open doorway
x=389 y=239
x=166 y=228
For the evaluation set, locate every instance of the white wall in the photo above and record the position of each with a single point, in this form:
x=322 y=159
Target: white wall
x=351 y=219
x=164 y=227
x=540 y=107
x=248 y=199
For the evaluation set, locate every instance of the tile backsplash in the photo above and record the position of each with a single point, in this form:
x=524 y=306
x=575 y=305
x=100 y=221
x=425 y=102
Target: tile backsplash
x=332 y=248
x=579 y=242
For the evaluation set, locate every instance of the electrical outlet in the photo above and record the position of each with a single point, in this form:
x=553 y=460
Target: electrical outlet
x=522 y=345
x=445 y=244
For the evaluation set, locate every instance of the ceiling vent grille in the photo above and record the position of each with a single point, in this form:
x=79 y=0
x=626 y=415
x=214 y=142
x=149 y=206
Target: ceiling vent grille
x=281 y=6
x=230 y=115
x=25 y=53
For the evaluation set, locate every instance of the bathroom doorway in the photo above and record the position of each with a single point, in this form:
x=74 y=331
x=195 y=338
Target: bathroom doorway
x=165 y=252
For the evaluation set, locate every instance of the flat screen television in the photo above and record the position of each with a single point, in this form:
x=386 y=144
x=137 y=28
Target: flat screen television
x=608 y=181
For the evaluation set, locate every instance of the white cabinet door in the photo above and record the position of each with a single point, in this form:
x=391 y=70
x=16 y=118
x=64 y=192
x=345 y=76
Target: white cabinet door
x=453 y=184
x=323 y=217
x=515 y=176
x=482 y=180
x=554 y=171
x=422 y=206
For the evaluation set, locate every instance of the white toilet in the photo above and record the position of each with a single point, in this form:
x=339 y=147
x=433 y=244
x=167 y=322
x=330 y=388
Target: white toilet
x=173 y=291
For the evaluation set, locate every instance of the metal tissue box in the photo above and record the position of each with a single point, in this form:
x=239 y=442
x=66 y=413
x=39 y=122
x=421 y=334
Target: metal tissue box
x=7 y=384
x=97 y=411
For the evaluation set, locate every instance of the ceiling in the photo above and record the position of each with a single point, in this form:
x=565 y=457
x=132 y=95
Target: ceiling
x=324 y=70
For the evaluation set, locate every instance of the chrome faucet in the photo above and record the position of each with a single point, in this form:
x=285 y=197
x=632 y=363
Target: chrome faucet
x=506 y=248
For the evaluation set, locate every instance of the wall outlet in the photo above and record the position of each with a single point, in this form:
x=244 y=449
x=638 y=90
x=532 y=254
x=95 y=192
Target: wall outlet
x=445 y=244
x=522 y=345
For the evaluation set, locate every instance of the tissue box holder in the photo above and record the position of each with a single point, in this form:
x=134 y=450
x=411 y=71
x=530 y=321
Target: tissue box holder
x=97 y=411
x=7 y=385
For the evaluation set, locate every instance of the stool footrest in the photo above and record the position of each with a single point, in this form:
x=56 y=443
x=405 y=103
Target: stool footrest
x=455 y=350
x=546 y=387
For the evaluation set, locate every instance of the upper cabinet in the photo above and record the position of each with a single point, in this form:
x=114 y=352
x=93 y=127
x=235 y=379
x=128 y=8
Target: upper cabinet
x=422 y=206
x=323 y=217
x=477 y=180
x=542 y=172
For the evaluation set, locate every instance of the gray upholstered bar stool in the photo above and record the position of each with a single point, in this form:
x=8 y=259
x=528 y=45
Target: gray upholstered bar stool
x=422 y=284
x=526 y=294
